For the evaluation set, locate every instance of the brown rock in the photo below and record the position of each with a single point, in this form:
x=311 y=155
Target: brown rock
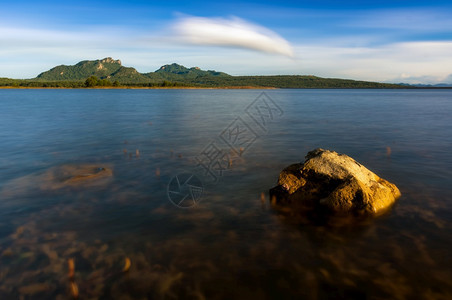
x=334 y=181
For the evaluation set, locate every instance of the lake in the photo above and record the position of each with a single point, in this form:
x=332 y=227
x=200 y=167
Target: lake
x=95 y=179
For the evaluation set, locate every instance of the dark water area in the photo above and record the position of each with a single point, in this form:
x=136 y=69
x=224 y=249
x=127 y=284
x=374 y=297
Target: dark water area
x=87 y=176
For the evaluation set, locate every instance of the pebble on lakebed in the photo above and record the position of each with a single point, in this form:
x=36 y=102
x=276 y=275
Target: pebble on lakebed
x=335 y=182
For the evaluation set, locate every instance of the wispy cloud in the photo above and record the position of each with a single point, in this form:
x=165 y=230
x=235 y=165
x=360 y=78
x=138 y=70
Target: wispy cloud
x=233 y=32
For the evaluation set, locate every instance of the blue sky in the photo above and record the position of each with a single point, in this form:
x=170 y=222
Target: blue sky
x=387 y=41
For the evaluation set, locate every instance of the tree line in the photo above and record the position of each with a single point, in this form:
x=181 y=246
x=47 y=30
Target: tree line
x=283 y=81
x=90 y=82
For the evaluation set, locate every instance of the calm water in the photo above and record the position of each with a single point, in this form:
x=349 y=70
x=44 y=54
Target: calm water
x=231 y=244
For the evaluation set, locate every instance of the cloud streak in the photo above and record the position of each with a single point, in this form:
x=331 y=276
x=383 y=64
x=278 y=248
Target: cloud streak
x=233 y=32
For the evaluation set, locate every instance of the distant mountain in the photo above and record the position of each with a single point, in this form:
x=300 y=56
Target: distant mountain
x=419 y=85
x=187 y=72
x=111 y=70
x=106 y=68
x=439 y=85
x=178 y=73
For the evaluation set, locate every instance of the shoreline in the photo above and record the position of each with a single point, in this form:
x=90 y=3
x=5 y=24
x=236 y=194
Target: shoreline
x=144 y=88
x=218 y=88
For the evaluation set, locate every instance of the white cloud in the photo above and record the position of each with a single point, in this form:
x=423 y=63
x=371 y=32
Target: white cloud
x=232 y=32
x=411 y=62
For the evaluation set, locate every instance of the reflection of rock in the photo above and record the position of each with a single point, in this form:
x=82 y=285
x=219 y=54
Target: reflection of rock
x=335 y=181
x=83 y=175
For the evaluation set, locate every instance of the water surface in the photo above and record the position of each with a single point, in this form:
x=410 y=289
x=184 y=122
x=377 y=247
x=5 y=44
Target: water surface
x=231 y=244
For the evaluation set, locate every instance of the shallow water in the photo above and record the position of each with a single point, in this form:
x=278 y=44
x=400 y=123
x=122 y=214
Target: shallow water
x=231 y=244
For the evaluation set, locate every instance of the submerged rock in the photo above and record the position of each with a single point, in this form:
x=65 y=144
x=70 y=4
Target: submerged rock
x=59 y=177
x=333 y=181
x=75 y=175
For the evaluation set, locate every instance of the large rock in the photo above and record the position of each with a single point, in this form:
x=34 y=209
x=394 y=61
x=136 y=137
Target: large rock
x=333 y=181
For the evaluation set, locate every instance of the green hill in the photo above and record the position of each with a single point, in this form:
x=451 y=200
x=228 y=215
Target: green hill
x=106 y=68
x=108 y=72
x=178 y=71
x=181 y=74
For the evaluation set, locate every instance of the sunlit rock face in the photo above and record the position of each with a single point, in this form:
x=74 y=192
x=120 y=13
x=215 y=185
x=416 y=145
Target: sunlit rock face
x=335 y=182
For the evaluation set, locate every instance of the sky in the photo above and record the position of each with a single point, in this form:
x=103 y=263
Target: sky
x=385 y=41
